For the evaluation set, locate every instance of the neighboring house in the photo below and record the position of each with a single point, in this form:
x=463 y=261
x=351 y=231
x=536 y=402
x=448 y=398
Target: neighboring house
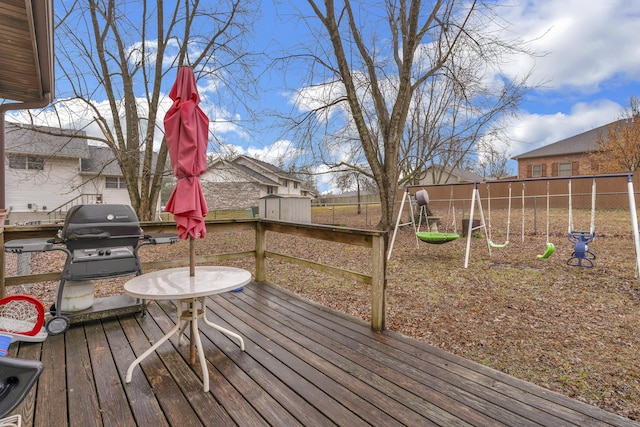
x=244 y=183
x=48 y=168
x=240 y=183
x=101 y=175
x=568 y=157
x=437 y=174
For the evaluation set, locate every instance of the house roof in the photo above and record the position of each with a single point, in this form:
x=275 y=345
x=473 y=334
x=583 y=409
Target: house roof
x=46 y=141
x=582 y=143
x=26 y=49
x=257 y=176
x=460 y=173
x=101 y=161
x=268 y=166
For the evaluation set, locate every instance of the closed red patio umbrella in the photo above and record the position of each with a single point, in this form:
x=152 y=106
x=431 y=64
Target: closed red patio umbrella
x=186 y=129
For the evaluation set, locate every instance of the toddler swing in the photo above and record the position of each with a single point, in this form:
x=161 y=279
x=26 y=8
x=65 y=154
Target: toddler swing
x=435 y=238
x=491 y=243
x=581 y=239
x=550 y=246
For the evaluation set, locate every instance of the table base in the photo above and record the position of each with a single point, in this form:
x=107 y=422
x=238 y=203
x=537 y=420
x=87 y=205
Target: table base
x=189 y=310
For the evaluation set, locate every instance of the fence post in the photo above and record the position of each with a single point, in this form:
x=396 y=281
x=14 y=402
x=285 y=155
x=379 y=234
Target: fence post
x=378 y=284
x=261 y=244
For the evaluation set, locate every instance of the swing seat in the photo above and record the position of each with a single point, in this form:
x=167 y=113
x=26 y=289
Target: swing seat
x=581 y=252
x=550 y=250
x=436 y=238
x=496 y=245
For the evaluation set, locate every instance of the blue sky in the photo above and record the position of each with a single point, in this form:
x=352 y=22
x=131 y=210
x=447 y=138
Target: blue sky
x=590 y=68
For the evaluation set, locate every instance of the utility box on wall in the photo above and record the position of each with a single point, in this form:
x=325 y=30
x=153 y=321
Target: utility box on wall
x=286 y=208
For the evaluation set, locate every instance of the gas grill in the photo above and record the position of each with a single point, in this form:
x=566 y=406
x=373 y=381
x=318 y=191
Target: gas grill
x=100 y=242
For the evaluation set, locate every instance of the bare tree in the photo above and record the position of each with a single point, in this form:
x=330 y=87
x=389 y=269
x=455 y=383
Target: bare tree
x=373 y=72
x=618 y=149
x=349 y=178
x=117 y=59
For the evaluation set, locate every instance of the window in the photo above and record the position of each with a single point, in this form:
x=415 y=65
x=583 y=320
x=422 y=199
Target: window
x=272 y=190
x=115 y=182
x=17 y=161
x=295 y=184
x=564 y=169
x=536 y=171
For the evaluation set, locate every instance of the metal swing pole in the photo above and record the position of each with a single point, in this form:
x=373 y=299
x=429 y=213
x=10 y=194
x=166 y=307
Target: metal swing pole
x=470 y=227
x=592 y=229
x=395 y=231
x=634 y=223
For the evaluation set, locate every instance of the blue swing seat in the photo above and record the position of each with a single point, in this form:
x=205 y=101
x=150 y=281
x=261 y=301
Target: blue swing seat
x=581 y=256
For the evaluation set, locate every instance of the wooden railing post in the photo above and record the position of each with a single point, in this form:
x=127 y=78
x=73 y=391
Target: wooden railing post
x=378 y=284
x=3 y=292
x=261 y=245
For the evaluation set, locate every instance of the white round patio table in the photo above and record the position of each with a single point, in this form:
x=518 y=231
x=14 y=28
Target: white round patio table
x=190 y=291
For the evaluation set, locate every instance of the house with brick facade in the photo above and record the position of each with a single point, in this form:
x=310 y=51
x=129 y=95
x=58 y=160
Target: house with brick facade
x=568 y=157
x=245 y=182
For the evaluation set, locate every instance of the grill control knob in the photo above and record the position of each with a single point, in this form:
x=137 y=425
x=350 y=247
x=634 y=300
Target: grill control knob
x=108 y=252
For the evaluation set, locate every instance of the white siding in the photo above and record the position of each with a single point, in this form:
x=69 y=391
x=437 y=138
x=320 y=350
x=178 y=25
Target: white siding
x=97 y=185
x=56 y=184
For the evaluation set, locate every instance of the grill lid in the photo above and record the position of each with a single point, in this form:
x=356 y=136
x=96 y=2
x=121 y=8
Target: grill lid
x=94 y=226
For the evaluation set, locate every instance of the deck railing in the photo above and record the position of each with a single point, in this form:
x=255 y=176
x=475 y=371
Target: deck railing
x=372 y=239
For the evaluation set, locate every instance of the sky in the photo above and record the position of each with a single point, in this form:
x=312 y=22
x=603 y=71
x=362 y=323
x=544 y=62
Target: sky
x=588 y=67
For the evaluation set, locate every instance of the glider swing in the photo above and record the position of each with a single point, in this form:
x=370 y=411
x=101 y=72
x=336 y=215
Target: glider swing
x=434 y=238
x=491 y=243
x=550 y=246
x=581 y=239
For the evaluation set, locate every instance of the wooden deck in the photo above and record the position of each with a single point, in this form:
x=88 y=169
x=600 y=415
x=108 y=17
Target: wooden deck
x=303 y=365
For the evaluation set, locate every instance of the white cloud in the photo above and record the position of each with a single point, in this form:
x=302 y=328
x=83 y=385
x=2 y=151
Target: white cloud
x=586 y=43
x=531 y=130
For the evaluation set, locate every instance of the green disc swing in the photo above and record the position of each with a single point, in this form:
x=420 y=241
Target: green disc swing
x=434 y=238
x=550 y=246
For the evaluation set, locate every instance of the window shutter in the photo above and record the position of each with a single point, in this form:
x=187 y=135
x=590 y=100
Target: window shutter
x=574 y=168
x=544 y=169
x=529 y=167
x=554 y=169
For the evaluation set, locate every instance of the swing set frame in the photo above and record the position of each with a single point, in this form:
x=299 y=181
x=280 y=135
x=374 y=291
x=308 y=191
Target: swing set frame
x=476 y=203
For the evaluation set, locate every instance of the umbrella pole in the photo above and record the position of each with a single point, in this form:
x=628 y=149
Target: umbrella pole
x=192 y=273
x=192 y=256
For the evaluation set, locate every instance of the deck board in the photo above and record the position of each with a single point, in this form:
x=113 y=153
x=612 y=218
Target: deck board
x=303 y=365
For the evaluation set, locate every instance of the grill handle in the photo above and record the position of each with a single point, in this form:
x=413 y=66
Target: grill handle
x=103 y=235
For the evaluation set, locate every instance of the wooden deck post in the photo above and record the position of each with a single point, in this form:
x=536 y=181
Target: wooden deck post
x=378 y=284
x=261 y=244
x=2 y=268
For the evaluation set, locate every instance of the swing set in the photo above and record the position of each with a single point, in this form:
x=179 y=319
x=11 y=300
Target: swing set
x=582 y=255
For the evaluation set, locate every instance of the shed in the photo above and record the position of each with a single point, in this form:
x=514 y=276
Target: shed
x=287 y=207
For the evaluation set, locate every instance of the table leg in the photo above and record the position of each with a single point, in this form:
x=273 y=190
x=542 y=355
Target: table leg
x=191 y=316
x=151 y=349
x=221 y=329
